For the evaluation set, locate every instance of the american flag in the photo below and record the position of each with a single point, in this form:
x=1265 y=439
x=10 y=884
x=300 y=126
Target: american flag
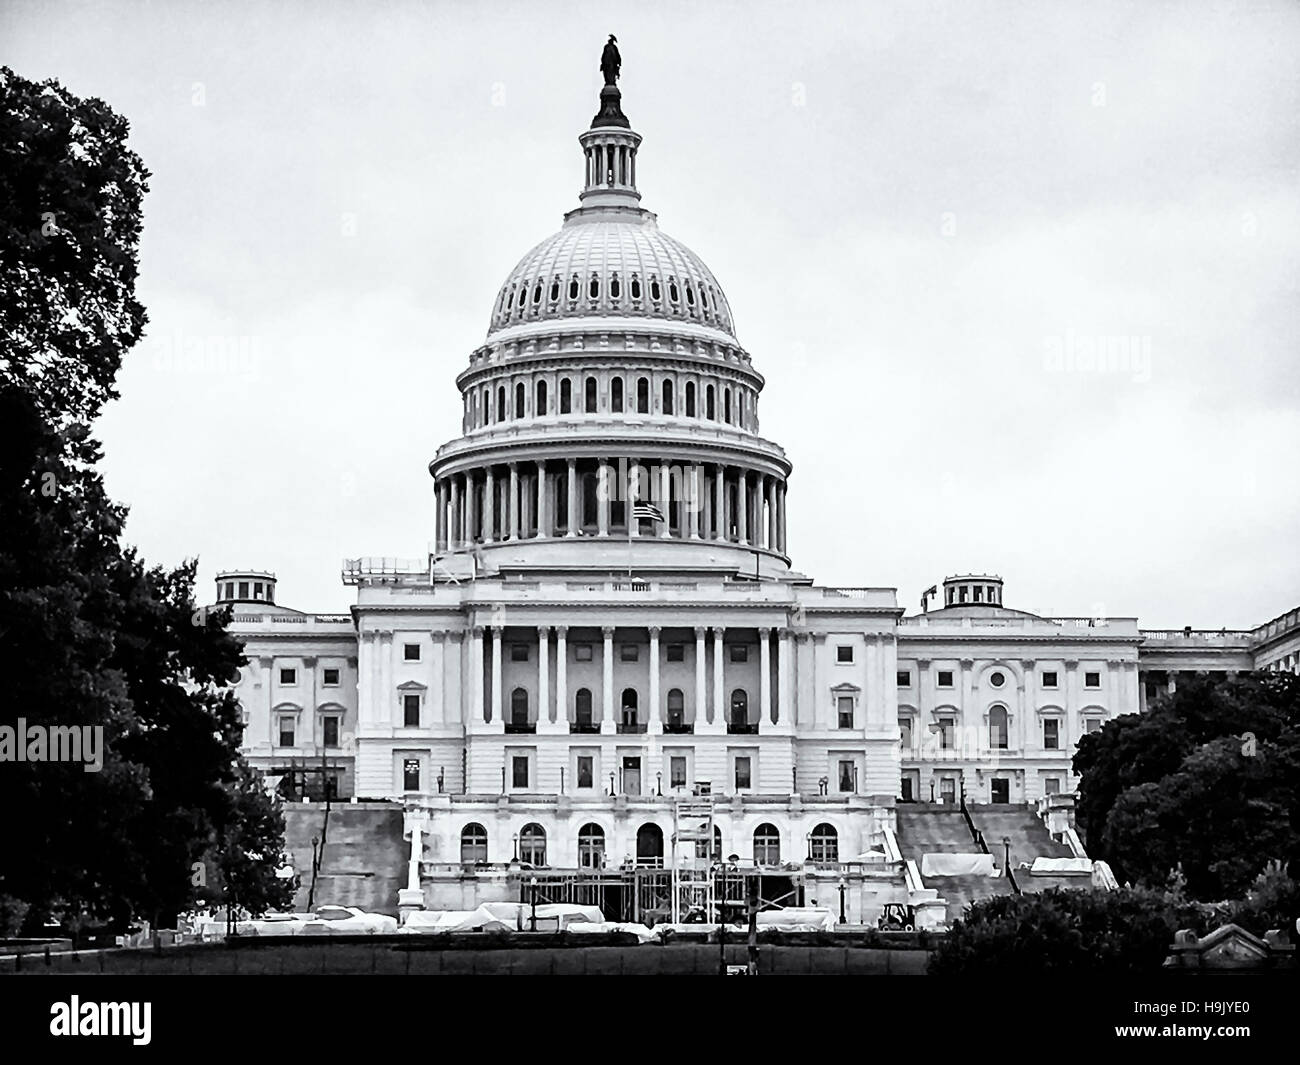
x=647 y=510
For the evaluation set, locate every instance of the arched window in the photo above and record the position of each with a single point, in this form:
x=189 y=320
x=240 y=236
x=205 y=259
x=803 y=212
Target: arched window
x=501 y=403
x=629 y=720
x=566 y=396
x=655 y=292
x=555 y=290
x=616 y=395
x=824 y=844
x=487 y=405
x=636 y=287
x=593 y=287
x=591 y=847
x=690 y=399
x=709 y=411
x=614 y=287
x=738 y=715
x=520 y=395
x=740 y=408
x=690 y=294
x=643 y=395
x=650 y=846
x=726 y=405
x=532 y=845
x=702 y=848
x=537 y=291
x=519 y=708
x=510 y=303
x=668 y=397
x=473 y=844
x=539 y=409
x=998 y=728
x=676 y=722
x=582 y=710
x=767 y=845
x=672 y=290
x=573 y=287
x=590 y=396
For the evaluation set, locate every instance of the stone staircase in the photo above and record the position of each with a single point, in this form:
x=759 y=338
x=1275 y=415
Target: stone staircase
x=1029 y=840
x=365 y=857
x=941 y=829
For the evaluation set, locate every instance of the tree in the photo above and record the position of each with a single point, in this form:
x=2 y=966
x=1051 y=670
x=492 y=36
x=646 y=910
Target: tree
x=90 y=635
x=1208 y=781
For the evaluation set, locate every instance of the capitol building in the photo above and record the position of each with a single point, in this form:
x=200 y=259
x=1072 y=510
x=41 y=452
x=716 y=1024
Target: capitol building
x=609 y=663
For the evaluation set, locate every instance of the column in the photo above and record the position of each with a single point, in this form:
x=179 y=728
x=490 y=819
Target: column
x=602 y=499
x=607 y=682
x=440 y=516
x=696 y=502
x=771 y=513
x=780 y=523
x=455 y=512
x=496 y=716
x=720 y=502
x=666 y=503
x=544 y=716
x=1028 y=706
x=633 y=496
x=701 y=688
x=784 y=682
x=474 y=715
x=512 y=533
x=572 y=527
x=489 y=506
x=805 y=682
x=719 y=688
x=656 y=726
x=473 y=506
x=764 y=677
x=562 y=676
x=542 y=517
x=742 y=507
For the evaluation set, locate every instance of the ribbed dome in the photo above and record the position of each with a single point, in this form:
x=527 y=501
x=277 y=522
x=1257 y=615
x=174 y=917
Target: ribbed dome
x=597 y=265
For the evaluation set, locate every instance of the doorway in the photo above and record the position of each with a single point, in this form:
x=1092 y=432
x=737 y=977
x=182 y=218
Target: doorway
x=1001 y=789
x=650 y=846
x=631 y=775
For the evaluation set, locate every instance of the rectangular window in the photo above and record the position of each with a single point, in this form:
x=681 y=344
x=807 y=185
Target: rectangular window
x=677 y=771
x=903 y=678
x=908 y=794
x=628 y=652
x=1051 y=734
x=844 y=708
x=411 y=711
x=410 y=652
x=330 y=731
x=288 y=677
x=330 y=678
x=1051 y=785
x=1049 y=679
x=519 y=771
x=945 y=678
x=519 y=652
x=1092 y=680
x=585 y=770
x=243 y=589
x=582 y=652
x=847 y=775
x=1091 y=725
x=257 y=589
x=945 y=733
x=844 y=654
x=739 y=653
x=742 y=773
x=286 y=732
x=676 y=652
x=411 y=774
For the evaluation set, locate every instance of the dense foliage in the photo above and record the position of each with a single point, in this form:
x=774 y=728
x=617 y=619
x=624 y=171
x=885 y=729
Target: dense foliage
x=90 y=635
x=1206 y=782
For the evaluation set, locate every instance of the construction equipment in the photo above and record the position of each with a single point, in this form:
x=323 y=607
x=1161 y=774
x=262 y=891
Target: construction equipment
x=692 y=855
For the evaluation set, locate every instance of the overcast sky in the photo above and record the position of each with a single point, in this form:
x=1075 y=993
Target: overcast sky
x=927 y=218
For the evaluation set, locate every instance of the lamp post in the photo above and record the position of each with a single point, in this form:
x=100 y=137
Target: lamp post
x=843 y=889
x=315 y=865
x=932 y=791
x=532 y=921
x=1006 y=851
x=611 y=784
x=515 y=858
x=659 y=782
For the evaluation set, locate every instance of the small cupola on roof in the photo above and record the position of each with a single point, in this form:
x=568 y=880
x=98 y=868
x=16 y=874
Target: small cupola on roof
x=610 y=144
x=972 y=590
x=245 y=586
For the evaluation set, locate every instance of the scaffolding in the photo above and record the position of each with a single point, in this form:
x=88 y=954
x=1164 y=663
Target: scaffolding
x=692 y=872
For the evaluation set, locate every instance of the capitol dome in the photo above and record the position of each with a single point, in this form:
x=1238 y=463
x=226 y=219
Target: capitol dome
x=605 y=264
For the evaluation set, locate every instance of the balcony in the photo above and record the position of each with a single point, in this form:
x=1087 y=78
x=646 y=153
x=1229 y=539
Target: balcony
x=631 y=728
x=583 y=728
x=742 y=728
x=520 y=728
x=678 y=728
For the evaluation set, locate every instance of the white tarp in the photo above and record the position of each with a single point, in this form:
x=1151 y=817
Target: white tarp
x=792 y=919
x=642 y=933
x=940 y=864
x=512 y=916
x=1061 y=867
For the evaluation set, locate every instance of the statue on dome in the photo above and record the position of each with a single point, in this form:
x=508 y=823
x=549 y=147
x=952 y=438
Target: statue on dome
x=610 y=60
